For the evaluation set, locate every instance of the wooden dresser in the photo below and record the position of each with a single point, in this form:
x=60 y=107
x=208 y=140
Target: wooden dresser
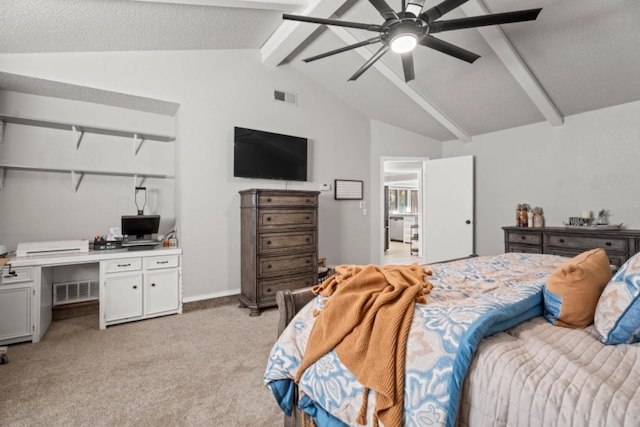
x=279 y=249
x=620 y=245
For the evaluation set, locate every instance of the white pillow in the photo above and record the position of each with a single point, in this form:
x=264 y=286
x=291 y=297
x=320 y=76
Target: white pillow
x=617 y=316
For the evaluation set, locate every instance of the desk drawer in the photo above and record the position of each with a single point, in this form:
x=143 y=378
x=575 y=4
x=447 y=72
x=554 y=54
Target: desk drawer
x=18 y=275
x=128 y=264
x=155 y=262
x=525 y=238
x=587 y=242
x=274 y=242
x=281 y=265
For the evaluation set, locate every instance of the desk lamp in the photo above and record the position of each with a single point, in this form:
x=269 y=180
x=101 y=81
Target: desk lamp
x=143 y=191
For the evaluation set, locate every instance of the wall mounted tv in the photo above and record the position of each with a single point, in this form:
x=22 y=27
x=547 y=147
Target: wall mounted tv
x=260 y=154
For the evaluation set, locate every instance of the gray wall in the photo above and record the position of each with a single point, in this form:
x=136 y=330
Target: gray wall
x=216 y=90
x=589 y=163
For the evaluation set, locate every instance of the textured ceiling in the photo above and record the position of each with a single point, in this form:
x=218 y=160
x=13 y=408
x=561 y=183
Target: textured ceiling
x=579 y=55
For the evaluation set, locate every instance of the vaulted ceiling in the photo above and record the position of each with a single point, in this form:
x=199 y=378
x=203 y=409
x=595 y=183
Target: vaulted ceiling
x=577 y=56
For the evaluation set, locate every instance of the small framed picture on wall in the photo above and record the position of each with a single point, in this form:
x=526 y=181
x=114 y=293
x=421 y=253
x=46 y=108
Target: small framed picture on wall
x=348 y=189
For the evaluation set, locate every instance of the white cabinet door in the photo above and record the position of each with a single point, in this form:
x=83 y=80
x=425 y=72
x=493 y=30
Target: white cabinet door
x=123 y=296
x=161 y=291
x=15 y=312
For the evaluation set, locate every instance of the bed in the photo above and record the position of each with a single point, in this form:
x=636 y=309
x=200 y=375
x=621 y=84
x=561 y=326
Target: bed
x=479 y=353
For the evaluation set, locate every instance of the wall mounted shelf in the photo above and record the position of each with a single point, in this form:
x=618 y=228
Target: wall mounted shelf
x=79 y=130
x=78 y=174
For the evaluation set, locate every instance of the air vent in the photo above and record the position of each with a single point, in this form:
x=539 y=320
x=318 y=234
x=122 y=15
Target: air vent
x=280 y=96
x=68 y=292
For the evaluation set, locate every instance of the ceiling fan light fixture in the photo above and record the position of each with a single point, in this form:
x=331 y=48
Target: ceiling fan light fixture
x=404 y=43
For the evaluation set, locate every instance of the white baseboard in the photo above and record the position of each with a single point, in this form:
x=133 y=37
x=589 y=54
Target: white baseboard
x=210 y=296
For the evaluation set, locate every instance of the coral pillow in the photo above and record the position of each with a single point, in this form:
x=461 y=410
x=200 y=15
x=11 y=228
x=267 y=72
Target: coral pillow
x=617 y=317
x=572 y=291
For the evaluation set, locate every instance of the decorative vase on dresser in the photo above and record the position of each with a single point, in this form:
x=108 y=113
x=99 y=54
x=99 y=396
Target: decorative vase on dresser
x=279 y=247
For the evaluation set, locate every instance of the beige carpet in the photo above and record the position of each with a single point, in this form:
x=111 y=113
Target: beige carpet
x=202 y=368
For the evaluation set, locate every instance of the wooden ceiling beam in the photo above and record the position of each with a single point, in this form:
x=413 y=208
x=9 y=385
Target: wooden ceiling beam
x=511 y=59
x=409 y=89
x=292 y=34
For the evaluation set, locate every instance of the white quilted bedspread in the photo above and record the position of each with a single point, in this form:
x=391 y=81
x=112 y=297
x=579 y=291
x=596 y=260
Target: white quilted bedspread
x=537 y=374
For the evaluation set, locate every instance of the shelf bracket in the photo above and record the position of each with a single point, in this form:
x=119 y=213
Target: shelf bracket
x=76 y=178
x=3 y=172
x=77 y=136
x=137 y=183
x=137 y=143
x=1 y=131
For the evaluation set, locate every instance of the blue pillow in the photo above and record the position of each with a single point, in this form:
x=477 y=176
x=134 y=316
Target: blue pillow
x=617 y=316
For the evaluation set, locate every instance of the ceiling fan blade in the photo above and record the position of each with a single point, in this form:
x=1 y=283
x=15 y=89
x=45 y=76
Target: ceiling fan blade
x=370 y=62
x=343 y=49
x=449 y=49
x=438 y=10
x=407 y=66
x=369 y=27
x=483 y=21
x=384 y=9
x=413 y=7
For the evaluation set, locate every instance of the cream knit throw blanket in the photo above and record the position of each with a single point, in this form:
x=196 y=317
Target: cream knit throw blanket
x=367 y=319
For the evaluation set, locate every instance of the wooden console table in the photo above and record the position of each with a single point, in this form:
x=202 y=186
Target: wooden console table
x=620 y=245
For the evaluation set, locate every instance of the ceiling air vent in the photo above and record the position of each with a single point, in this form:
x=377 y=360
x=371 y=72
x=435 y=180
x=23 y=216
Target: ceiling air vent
x=280 y=96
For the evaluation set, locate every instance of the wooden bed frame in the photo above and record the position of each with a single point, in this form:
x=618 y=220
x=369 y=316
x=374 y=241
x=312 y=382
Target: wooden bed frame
x=289 y=303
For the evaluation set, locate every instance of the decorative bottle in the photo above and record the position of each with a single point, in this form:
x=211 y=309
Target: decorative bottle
x=519 y=215
x=524 y=221
x=538 y=219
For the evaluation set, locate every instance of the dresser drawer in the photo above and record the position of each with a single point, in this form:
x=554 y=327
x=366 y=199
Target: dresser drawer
x=614 y=259
x=524 y=249
x=280 y=265
x=525 y=238
x=286 y=200
x=167 y=261
x=268 y=288
x=128 y=264
x=275 y=242
x=18 y=275
x=587 y=242
x=286 y=218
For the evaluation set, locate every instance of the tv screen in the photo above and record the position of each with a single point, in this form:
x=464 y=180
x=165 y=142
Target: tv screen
x=260 y=154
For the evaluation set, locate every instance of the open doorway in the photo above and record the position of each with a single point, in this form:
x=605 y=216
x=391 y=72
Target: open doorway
x=402 y=181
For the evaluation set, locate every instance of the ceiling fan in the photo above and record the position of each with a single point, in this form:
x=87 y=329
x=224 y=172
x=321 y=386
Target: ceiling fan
x=403 y=31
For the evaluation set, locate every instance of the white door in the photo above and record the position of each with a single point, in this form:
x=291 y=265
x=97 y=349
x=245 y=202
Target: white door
x=448 y=211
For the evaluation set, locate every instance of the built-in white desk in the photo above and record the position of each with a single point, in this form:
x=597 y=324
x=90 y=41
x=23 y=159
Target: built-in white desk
x=132 y=285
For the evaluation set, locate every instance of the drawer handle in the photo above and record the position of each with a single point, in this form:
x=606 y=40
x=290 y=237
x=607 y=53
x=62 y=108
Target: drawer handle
x=269 y=266
x=308 y=200
x=135 y=286
x=268 y=242
x=308 y=239
x=608 y=243
x=268 y=290
x=162 y=262
x=153 y=285
x=268 y=218
x=561 y=240
x=308 y=261
x=269 y=199
x=308 y=217
x=124 y=265
x=523 y=237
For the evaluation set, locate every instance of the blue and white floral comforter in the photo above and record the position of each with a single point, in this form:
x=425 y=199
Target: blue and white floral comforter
x=470 y=299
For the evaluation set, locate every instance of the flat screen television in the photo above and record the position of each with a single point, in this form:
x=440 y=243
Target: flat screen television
x=260 y=154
